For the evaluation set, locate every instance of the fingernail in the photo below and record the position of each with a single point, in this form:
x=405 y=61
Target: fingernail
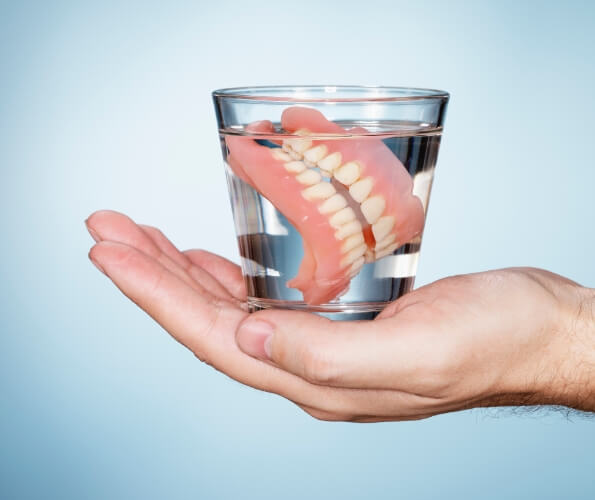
x=93 y=234
x=96 y=264
x=254 y=337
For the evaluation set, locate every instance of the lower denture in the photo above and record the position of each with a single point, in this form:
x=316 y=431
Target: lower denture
x=364 y=213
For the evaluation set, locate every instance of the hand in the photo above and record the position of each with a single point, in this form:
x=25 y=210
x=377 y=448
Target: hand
x=514 y=336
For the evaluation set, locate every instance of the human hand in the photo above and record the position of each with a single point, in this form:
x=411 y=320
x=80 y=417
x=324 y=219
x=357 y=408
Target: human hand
x=514 y=336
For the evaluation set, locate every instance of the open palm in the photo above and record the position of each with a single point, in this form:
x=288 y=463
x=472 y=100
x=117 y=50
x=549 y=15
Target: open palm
x=465 y=341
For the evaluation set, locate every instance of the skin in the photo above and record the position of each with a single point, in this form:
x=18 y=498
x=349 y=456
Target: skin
x=519 y=336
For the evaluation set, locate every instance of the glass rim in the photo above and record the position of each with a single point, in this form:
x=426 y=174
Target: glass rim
x=370 y=93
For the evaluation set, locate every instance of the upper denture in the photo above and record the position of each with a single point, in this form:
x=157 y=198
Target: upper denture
x=379 y=188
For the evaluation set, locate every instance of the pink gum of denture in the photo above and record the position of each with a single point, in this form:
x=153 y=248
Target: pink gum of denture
x=322 y=251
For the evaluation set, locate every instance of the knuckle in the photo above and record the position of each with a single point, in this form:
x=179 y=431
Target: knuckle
x=442 y=369
x=152 y=230
x=204 y=358
x=156 y=287
x=158 y=232
x=198 y=345
x=318 y=367
x=124 y=256
x=324 y=416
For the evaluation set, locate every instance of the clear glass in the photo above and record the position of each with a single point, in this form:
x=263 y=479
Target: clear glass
x=329 y=187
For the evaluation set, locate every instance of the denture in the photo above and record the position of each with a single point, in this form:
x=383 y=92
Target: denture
x=350 y=198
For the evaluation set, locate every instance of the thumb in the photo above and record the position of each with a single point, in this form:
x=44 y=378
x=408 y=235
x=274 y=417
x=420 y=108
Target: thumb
x=356 y=354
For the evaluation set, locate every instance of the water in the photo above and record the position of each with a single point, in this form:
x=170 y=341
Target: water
x=271 y=248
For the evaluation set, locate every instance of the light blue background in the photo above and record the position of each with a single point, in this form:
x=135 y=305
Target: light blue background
x=107 y=105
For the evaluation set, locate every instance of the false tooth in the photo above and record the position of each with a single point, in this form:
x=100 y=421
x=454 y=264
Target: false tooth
x=295 y=155
x=320 y=191
x=309 y=177
x=382 y=227
x=334 y=203
x=348 y=229
x=299 y=145
x=314 y=154
x=295 y=167
x=343 y=216
x=381 y=245
x=372 y=208
x=348 y=173
x=356 y=267
x=331 y=162
x=353 y=255
x=278 y=154
x=353 y=241
x=387 y=251
x=360 y=190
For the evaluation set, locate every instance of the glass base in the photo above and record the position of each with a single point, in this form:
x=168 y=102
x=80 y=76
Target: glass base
x=337 y=312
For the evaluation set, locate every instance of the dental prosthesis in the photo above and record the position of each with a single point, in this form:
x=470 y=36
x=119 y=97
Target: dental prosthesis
x=350 y=198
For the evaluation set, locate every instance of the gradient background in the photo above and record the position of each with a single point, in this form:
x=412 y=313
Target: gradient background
x=107 y=105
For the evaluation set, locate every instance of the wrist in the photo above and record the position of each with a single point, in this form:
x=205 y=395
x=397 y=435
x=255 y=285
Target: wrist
x=572 y=379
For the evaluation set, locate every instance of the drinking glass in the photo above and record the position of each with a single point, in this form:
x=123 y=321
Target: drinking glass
x=329 y=189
